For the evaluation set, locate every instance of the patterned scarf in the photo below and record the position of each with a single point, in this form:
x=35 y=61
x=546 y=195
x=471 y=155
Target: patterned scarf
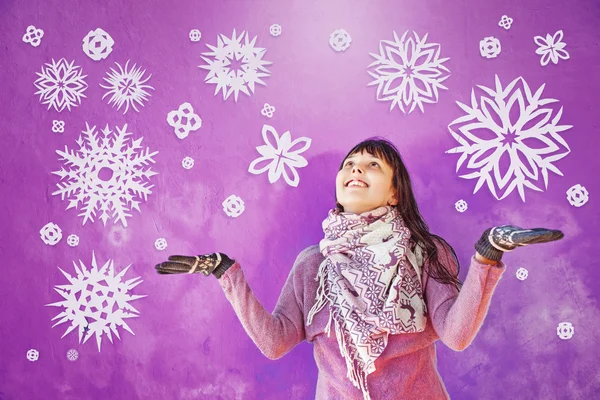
x=372 y=289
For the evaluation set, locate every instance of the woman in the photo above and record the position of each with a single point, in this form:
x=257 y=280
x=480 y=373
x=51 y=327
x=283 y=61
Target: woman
x=392 y=287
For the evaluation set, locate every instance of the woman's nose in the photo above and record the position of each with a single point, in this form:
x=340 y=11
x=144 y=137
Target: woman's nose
x=356 y=169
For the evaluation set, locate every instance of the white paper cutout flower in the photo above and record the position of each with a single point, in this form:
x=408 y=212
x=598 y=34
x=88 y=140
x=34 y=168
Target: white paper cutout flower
x=184 y=120
x=187 y=162
x=489 y=47
x=96 y=302
x=267 y=110
x=233 y=206
x=58 y=126
x=522 y=274
x=505 y=22
x=160 y=244
x=552 y=48
x=235 y=67
x=408 y=72
x=73 y=240
x=279 y=158
x=127 y=86
x=33 y=355
x=72 y=355
x=195 y=35
x=340 y=40
x=106 y=174
x=565 y=330
x=491 y=136
x=61 y=85
x=51 y=234
x=33 y=36
x=98 y=44
x=577 y=195
x=275 y=30
x=461 y=206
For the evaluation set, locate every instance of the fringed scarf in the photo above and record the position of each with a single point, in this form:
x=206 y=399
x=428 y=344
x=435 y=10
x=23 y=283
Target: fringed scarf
x=372 y=289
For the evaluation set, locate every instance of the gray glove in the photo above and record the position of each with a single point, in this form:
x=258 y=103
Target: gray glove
x=214 y=263
x=500 y=239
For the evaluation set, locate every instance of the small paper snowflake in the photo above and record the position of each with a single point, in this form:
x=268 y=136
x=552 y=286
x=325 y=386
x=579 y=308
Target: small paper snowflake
x=72 y=355
x=33 y=355
x=577 y=195
x=233 y=206
x=184 y=120
x=33 y=36
x=461 y=206
x=97 y=44
x=51 y=234
x=267 y=110
x=58 y=126
x=127 y=86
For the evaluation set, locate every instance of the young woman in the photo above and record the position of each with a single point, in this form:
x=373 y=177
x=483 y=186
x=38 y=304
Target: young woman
x=391 y=287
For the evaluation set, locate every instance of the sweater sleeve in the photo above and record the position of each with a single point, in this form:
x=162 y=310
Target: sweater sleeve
x=275 y=334
x=457 y=316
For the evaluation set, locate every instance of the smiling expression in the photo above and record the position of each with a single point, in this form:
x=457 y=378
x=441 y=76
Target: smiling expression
x=364 y=183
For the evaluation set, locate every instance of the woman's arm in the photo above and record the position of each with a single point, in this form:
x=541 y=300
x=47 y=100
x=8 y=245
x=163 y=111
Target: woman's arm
x=458 y=316
x=274 y=334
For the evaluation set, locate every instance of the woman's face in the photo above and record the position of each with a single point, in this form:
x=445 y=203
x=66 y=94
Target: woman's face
x=364 y=183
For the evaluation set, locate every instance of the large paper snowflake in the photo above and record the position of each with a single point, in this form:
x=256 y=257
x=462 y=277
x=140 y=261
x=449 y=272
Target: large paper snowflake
x=235 y=67
x=107 y=174
x=408 y=71
x=279 y=158
x=127 y=86
x=511 y=129
x=96 y=301
x=61 y=85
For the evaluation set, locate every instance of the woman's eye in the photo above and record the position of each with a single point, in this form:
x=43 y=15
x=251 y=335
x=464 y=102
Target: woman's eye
x=348 y=163
x=375 y=164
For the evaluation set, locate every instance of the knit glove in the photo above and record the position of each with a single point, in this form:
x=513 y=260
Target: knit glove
x=500 y=239
x=214 y=263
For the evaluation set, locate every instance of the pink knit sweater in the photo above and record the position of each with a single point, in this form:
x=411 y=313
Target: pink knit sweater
x=407 y=367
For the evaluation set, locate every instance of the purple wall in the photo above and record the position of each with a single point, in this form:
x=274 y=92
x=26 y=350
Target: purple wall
x=188 y=343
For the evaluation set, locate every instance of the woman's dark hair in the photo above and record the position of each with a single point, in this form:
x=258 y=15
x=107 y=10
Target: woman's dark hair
x=407 y=206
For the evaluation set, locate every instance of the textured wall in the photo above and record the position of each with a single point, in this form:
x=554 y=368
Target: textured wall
x=188 y=344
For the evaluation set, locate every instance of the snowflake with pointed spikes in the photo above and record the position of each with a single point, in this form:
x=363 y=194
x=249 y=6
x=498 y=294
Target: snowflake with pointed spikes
x=106 y=174
x=408 y=71
x=509 y=129
x=96 y=301
x=235 y=67
x=61 y=85
x=127 y=86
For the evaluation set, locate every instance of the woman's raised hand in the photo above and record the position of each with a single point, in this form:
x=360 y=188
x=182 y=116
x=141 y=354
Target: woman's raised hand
x=214 y=263
x=500 y=239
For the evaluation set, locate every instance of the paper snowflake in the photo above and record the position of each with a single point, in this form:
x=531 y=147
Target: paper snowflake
x=408 y=72
x=235 y=67
x=509 y=128
x=61 y=85
x=96 y=301
x=107 y=174
x=279 y=159
x=127 y=86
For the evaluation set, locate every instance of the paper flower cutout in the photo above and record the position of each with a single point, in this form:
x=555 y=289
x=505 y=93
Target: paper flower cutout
x=552 y=48
x=279 y=156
